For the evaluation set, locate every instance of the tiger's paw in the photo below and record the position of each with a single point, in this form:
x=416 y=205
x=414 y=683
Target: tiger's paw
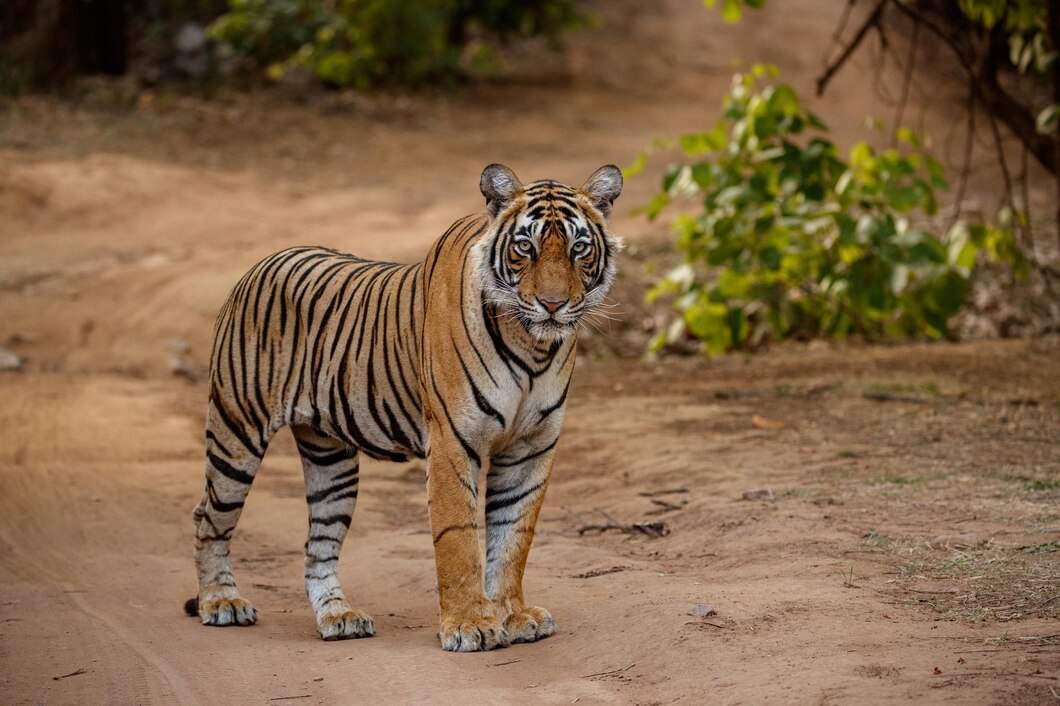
x=339 y=621
x=472 y=634
x=223 y=611
x=530 y=624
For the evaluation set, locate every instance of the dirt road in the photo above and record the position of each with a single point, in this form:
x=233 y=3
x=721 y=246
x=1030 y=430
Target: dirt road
x=908 y=549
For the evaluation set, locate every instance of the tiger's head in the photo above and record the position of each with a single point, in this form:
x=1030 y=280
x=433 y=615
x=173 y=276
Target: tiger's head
x=548 y=258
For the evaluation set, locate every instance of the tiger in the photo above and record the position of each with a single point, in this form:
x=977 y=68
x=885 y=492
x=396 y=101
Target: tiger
x=464 y=359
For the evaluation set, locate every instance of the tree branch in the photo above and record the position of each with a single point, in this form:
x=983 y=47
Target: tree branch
x=873 y=20
x=1054 y=39
x=907 y=80
x=1009 y=191
x=1016 y=117
x=966 y=167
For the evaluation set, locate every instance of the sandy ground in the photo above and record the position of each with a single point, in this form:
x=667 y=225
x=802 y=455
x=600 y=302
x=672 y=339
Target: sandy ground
x=909 y=549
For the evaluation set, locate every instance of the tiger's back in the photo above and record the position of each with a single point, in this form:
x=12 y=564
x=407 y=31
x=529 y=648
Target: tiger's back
x=314 y=337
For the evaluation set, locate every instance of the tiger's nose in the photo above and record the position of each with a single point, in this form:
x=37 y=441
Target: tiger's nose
x=552 y=305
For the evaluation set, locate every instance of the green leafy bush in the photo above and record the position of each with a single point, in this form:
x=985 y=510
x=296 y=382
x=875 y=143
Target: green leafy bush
x=367 y=42
x=794 y=241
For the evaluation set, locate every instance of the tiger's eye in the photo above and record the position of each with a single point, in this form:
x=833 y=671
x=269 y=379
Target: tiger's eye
x=523 y=247
x=580 y=248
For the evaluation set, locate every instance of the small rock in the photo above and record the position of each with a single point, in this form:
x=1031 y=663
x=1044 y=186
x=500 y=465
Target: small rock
x=178 y=345
x=759 y=494
x=181 y=368
x=10 y=361
x=190 y=38
x=702 y=610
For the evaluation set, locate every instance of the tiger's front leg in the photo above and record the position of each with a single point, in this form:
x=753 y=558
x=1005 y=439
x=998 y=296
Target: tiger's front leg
x=515 y=489
x=469 y=622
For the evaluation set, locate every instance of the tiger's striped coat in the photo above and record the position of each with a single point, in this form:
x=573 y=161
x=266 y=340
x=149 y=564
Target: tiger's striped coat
x=464 y=359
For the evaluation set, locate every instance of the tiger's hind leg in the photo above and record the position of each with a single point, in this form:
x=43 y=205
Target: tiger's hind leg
x=232 y=460
x=331 y=477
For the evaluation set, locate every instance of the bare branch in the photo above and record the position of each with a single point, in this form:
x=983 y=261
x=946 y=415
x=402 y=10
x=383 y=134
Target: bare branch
x=1025 y=195
x=906 y=82
x=841 y=28
x=873 y=20
x=999 y=145
x=1054 y=39
x=994 y=98
x=966 y=167
x=879 y=87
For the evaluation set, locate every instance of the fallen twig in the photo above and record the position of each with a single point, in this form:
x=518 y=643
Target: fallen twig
x=650 y=529
x=501 y=664
x=593 y=573
x=664 y=506
x=609 y=672
x=667 y=491
x=77 y=672
x=707 y=622
x=998 y=674
x=287 y=698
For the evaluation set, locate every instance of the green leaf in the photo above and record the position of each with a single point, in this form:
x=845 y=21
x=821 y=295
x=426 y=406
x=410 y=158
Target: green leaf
x=1047 y=118
x=949 y=292
x=731 y=11
x=636 y=166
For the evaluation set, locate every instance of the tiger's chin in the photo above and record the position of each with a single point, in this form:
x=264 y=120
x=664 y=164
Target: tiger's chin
x=551 y=330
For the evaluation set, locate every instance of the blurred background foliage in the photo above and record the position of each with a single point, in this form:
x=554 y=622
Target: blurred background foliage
x=363 y=43
x=355 y=43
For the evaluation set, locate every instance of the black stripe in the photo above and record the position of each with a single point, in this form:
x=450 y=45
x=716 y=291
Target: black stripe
x=471 y=453
x=450 y=528
x=325 y=493
x=326 y=459
x=499 y=504
x=210 y=436
x=463 y=320
x=228 y=470
x=219 y=505
x=559 y=403
x=331 y=520
x=524 y=459
x=480 y=399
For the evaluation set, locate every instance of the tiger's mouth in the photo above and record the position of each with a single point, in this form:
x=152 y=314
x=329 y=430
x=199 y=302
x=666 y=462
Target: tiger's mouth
x=550 y=327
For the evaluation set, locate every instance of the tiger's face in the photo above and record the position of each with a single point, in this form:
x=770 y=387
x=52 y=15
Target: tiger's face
x=549 y=259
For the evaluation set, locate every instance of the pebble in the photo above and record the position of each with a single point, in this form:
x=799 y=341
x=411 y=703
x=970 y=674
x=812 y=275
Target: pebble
x=10 y=361
x=759 y=494
x=702 y=610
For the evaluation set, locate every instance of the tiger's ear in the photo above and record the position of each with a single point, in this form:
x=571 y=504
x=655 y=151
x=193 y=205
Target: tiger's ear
x=499 y=185
x=603 y=187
